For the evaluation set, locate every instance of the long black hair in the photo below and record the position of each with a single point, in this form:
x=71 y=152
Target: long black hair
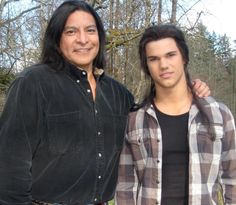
x=51 y=43
x=158 y=32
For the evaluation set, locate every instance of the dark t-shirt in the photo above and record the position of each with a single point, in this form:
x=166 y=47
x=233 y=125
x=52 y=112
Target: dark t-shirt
x=175 y=158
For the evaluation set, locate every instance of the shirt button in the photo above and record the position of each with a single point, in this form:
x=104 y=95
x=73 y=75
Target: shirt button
x=157 y=182
x=99 y=154
x=158 y=140
x=99 y=133
x=77 y=81
x=157 y=202
x=96 y=111
x=88 y=90
x=158 y=161
x=84 y=73
x=99 y=177
x=95 y=199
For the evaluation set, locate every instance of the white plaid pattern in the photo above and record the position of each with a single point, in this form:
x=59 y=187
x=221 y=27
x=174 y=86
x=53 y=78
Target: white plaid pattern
x=212 y=160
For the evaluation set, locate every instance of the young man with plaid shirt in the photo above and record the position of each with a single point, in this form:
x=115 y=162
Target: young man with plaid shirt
x=179 y=149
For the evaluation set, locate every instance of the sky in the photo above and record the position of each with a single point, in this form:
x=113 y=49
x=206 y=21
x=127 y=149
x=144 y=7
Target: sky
x=219 y=16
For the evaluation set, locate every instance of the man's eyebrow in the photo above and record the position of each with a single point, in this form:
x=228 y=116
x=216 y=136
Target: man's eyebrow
x=70 y=27
x=75 y=27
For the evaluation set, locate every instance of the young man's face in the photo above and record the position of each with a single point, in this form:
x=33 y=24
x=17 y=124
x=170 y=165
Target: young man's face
x=80 y=41
x=165 y=62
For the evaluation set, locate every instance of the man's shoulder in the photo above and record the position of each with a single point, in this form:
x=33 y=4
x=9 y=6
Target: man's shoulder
x=32 y=76
x=111 y=80
x=116 y=84
x=34 y=70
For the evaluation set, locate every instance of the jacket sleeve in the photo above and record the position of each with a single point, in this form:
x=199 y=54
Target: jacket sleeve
x=19 y=135
x=127 y=186
x=228 y=176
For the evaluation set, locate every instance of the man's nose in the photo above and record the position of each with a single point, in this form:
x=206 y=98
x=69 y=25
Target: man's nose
x=82 y=37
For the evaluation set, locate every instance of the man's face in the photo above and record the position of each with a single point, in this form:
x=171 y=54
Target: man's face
x=165 y=62
x=80 y=41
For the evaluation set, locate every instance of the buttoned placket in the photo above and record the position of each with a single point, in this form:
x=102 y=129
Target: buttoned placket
x=158 y=175
x=152 y=113
x=99 y=150
x=88 y=88
x=98 y=137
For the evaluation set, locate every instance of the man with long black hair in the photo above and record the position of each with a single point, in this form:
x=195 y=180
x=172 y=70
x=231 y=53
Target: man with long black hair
x=63 y=124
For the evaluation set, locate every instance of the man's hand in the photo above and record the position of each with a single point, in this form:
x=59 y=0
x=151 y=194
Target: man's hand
x=200 y=88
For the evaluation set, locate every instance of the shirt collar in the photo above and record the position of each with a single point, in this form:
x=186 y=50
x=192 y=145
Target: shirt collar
x=81 y=74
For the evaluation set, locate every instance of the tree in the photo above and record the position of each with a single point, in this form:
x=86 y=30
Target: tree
x=212 y=56
x=223 y=50
x=12 y=21
x=174 y=12
x=159 y=12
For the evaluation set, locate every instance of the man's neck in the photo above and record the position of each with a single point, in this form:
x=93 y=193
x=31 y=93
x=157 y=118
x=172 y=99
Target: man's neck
x=173 y=101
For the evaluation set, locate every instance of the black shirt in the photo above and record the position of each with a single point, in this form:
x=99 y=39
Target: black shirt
x=56 y=143
x=175 y=158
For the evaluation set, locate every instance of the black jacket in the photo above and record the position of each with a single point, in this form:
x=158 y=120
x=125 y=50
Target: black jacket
x=56 y=143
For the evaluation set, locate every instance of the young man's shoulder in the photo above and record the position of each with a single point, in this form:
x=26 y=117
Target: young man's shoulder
x=212 y=102
x=214 y=109
x=138 y=111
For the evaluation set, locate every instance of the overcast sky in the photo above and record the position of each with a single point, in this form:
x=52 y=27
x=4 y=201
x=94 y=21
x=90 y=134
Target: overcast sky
x=219 y=16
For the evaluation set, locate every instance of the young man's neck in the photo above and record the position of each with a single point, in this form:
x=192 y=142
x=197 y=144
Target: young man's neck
x=173 y=101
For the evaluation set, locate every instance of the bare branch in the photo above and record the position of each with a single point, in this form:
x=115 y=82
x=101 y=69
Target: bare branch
x=121 y=38
x=18 y=16
x=189 y=9
x=197 y=20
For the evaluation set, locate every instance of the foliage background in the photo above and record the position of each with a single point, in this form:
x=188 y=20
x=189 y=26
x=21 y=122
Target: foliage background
x=212 y=56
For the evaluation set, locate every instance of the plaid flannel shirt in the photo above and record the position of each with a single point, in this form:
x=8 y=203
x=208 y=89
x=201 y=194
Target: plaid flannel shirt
x=212 y=156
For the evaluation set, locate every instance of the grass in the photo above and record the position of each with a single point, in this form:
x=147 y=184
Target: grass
x=220 y=199
x=111 y=202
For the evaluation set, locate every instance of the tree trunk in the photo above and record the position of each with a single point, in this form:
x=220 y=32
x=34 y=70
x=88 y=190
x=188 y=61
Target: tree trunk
x=173 y=12
x=159 y=12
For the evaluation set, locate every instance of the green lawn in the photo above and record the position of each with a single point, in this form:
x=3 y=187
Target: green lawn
x=111 y=202
x=220 y=197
